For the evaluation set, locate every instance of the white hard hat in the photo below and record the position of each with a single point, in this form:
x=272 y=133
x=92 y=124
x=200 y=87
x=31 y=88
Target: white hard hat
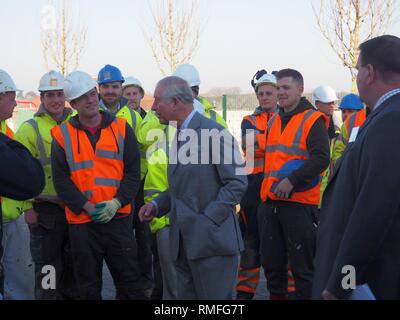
x=51 y=81
x=325 y=94
x=76 y=84
x=189 y=73
x=132 y=81
x=266 y=79
x=6 y=82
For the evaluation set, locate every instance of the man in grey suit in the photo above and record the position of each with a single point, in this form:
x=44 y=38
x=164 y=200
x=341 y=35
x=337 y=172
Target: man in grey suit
x=204 y=236
x=359 y=234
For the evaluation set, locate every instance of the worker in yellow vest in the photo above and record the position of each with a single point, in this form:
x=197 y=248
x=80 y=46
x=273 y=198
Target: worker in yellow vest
x=45 y=214
x=132 y=90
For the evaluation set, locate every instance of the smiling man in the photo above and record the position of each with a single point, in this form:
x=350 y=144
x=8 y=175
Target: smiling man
x=297 y=153
x=96 y=173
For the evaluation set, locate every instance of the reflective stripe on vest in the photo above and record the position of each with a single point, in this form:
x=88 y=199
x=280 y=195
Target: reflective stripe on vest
x=355 y=120
x=44 y=160
x=260 y=123
x=151 y=192
x=96 y=173
x=294 y=149
x=351 y=123
x=73 y=166
x=286 y=145
x=133 y=117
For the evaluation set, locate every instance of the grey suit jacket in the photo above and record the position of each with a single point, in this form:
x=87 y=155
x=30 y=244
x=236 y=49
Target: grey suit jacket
x=201 y=197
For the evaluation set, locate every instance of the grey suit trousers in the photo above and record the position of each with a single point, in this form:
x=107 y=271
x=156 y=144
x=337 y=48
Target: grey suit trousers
x=167 y=265
x=210 y=278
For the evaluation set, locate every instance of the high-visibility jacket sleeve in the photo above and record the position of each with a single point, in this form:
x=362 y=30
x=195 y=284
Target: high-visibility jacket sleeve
x=340 y=144
x=21 y=175
x=156 y=180
x=138 y=123
x=27 y=136
x=130 y=182
x=150 y=129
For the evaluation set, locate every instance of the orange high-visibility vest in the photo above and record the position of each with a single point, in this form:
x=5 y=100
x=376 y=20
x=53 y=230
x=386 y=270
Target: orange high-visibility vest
x=289 y=145
x=248 y=279
x=355 y=120
x=97 y=174
x=5 y=129
x=260 y=122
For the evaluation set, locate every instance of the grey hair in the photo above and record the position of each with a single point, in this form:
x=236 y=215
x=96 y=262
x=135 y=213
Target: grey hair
x=175 y=87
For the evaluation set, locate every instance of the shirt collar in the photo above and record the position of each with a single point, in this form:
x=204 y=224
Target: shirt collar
x=385 y=97
x=104 y=107
x=185 y=123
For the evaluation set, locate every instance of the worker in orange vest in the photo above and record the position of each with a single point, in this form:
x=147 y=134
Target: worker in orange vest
x=254 y=128
x=296 y=155
x=96 y=172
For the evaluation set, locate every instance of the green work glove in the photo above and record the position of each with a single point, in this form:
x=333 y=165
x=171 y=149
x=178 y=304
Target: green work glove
x=105 y=211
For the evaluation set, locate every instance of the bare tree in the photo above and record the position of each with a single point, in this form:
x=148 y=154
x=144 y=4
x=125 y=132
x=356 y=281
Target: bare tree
x=345 y=23
x=176 y=33
x=63 y=42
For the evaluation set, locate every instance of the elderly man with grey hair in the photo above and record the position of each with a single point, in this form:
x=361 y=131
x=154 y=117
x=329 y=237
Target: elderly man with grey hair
x=205 y=237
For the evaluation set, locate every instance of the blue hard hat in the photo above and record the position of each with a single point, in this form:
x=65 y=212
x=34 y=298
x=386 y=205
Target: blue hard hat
x=288 y=168
x=110 y=74
x=351 y=102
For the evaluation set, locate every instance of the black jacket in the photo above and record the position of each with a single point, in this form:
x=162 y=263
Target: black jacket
x=317 y=146
x=21 y=175
x=66 y=189
x=360 y=214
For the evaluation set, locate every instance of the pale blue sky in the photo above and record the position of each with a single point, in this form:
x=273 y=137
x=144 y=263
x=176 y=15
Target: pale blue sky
x=238 y=38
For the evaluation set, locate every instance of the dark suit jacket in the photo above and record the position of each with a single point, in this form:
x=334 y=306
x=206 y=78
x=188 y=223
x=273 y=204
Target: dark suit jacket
x=360 y=214
x=201 y=197
x=21 y=175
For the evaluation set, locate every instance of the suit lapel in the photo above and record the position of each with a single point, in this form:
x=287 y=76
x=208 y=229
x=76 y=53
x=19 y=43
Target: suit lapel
x=194 y=124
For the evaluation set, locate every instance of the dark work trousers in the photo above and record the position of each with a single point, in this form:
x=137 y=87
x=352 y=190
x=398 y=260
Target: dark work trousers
x=50 y=245
x=250 y=256
x=288 y=231
x=114 y=242
x=157 y=293
x=1 y=256
x=143 y=240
